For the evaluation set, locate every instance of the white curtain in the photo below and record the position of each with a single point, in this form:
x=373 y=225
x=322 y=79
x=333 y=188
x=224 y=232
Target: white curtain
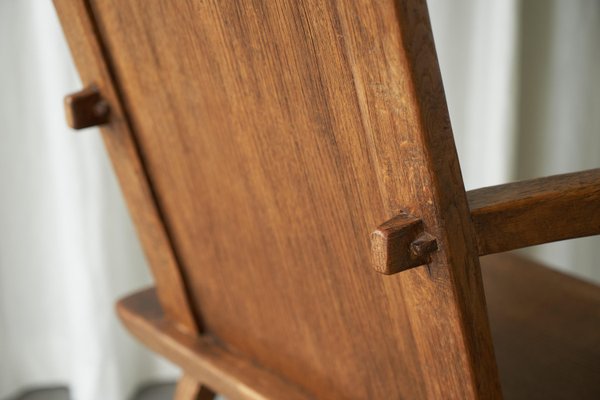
x=67 y=246
x=523 y=90
x=478 y=54
x=559 y=122
x=524 y=100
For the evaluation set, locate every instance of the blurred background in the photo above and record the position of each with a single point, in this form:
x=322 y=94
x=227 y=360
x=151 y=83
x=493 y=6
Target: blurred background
x=523 y=90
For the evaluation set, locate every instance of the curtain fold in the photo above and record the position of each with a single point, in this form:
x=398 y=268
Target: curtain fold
x=477 y=45
x=559 y=104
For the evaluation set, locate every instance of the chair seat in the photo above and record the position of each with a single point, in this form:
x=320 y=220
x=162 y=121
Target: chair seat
x=546 y=330
x=544 y=325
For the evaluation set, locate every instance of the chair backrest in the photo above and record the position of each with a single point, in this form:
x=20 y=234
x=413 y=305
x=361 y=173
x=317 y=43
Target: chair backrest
x=259 y=143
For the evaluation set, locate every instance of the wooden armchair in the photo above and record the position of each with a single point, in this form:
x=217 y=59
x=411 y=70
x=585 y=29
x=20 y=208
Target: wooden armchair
x=292 y=174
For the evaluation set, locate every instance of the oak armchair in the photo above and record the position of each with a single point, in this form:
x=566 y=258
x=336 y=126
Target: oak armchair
x=292 y=173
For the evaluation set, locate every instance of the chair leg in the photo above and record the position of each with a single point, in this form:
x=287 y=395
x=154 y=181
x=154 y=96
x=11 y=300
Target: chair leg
x=190 y=389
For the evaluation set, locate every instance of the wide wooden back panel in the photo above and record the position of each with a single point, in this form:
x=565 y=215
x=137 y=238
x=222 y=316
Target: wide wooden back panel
x=276 y=136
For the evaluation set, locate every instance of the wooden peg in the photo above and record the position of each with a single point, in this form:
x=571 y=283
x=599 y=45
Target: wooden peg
x=423 y=245
x=86 y=108
x=400 y=244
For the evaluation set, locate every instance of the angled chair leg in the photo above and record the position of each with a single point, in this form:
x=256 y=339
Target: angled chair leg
x=190 y=389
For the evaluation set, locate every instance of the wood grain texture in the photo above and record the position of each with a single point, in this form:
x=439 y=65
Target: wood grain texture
x=89 y=57
x=86 y=108
x=537 y=211
x=189 y=388
x=202 y=357
x=276 y=135
x=546 y=330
